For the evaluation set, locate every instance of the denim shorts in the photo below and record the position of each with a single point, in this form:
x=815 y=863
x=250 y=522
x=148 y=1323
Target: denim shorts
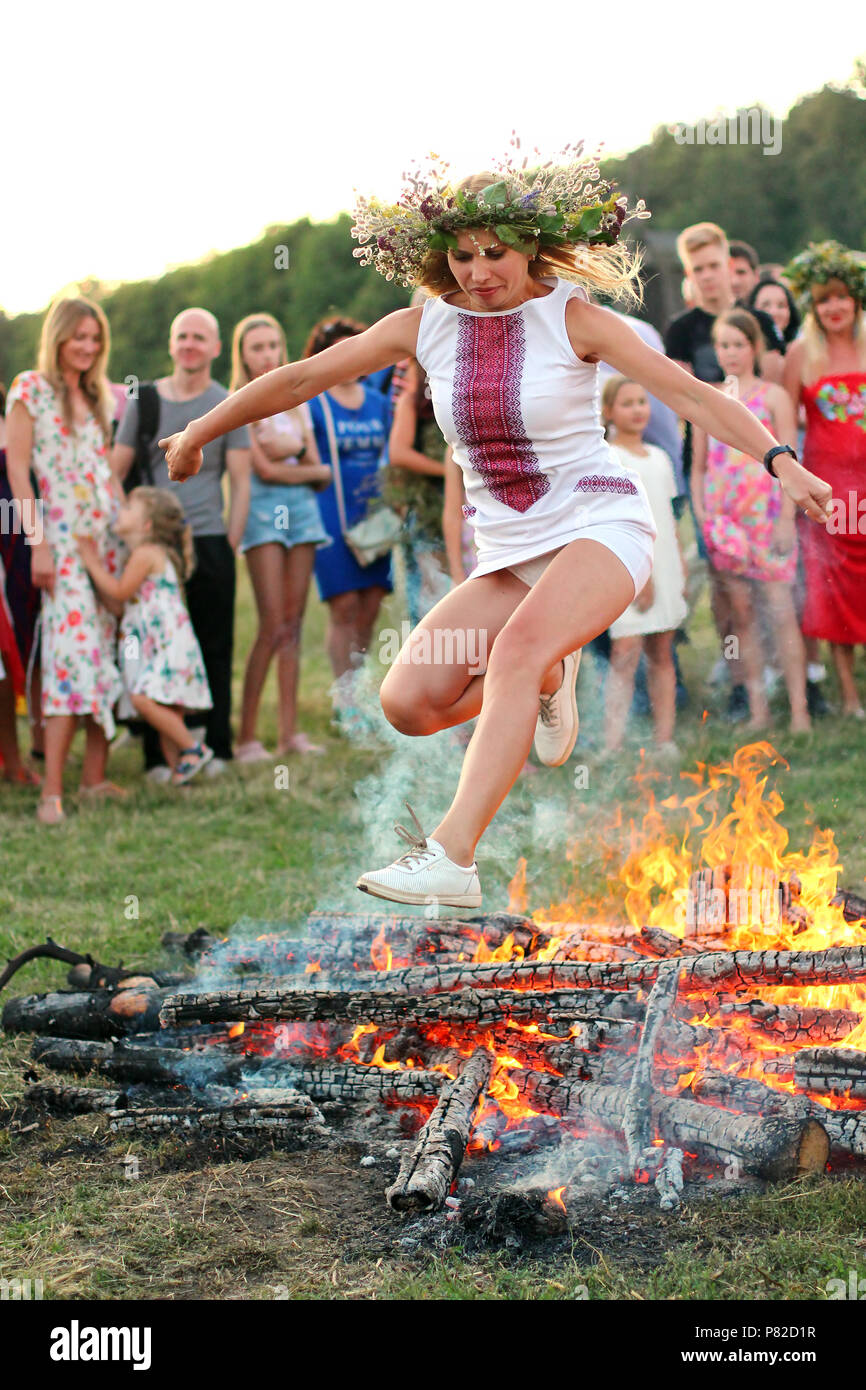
x=282 y=515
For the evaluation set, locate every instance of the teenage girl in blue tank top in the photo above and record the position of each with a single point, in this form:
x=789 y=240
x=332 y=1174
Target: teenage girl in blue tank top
x=563 y=531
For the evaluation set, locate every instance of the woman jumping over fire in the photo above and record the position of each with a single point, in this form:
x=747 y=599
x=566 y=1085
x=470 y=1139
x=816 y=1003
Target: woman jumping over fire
x=510 y=345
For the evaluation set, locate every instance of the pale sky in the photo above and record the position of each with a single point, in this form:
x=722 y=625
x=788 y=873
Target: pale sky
x=239 y=117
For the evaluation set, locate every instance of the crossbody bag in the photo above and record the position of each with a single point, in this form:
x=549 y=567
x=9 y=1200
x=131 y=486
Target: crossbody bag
x=376 y=534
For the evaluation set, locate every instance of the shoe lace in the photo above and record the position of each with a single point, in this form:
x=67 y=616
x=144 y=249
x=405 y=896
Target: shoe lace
x=547 y=710
x=416 y=838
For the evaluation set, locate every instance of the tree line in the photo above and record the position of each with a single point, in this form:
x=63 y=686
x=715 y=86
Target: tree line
x=814 y=188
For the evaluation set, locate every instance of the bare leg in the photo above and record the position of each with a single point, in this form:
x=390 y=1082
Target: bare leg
x=843 y=660
x=265 y=565
x=790 y=648
x=619 y=688
x=370 y=601
x=720 y=603
x=341 y=640
x=59 y=732
x=163 y=718
x=297 y=570
x=95 y=754
x=580 y=594
x=662 y=684
x=743 y=617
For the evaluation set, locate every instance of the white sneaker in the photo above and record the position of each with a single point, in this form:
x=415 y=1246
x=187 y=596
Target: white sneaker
x=424 y=874
x=216 y=767
x=160 y=773
x=558 y=722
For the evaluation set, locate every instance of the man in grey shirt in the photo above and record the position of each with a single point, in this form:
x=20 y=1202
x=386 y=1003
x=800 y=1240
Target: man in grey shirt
x=190 y=391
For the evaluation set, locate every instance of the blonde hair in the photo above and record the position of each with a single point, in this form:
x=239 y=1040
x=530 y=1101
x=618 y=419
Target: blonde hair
x=169 y=527
x=240 y=372
x=696 y=237
x=61 y=321
x=815 y=339
x=612 y=271
x=609 y=392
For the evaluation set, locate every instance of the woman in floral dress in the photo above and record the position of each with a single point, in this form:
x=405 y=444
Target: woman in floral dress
x=826 y=370
x=59 y=422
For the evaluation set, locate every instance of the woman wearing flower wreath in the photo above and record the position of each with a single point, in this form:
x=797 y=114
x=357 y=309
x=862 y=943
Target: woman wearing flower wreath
x=826 y=370
x=563 y=530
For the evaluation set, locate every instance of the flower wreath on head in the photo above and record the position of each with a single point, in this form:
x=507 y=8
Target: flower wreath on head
x=561 y=203
x=823 y=261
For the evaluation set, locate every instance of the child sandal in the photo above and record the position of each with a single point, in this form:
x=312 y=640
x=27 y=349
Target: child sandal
x=190 y=762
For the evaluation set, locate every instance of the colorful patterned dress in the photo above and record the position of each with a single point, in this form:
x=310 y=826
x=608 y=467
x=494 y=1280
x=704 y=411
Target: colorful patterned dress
x=79 y=675
x=742 y=504
x=835 y=555
x=160 y=655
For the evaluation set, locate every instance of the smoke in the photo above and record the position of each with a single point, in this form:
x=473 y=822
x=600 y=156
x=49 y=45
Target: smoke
x=541 y=813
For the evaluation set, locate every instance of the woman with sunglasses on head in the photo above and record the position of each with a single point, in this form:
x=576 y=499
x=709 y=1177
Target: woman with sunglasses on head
x=563 y=529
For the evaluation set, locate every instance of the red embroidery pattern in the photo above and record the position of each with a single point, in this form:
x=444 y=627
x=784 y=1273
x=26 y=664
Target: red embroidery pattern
x=486 y=409
x=596 y=482
x=467 y=511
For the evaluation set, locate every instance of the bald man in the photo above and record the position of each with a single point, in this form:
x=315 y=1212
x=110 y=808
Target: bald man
x=190 y=391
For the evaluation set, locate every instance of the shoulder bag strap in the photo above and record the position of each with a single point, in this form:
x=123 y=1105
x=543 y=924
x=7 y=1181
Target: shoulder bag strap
x=335 y=460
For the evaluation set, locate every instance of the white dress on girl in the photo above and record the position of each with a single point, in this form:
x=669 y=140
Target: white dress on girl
x=668 y=608
x=521 y=412
x=159 y=653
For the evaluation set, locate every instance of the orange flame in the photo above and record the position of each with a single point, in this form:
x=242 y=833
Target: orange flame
x=555 y=1196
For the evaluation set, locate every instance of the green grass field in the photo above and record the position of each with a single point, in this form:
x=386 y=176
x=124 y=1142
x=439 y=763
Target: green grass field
x=114 y=878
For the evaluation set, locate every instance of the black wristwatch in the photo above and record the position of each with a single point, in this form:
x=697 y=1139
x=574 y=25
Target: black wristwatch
x=771 y=454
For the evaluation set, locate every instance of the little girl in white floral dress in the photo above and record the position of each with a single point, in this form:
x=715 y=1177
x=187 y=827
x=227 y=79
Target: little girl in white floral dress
x=160 y=658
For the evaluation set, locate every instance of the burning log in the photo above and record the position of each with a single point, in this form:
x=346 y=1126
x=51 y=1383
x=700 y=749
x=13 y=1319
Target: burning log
x=846 y=1128
x=364 y=927
x=745 y=1094
x=427 y=1172
x=479 y=1007
x=637 y=1120
x=853 y=906
x=832 y=1071
x=354 y=1081
x=788 y=1022
x=774 y=1146
x=75 y=1100
x=834 y=966
x=99 y=1013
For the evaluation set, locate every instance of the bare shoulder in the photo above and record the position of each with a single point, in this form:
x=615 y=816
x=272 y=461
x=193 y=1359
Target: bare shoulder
x=148 y=558
x=776 y=395
x=592 y=328
x=586 y=325
x=795 y=355
x=402 y=327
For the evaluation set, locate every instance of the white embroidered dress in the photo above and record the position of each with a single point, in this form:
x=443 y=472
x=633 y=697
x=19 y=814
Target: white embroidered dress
x=521 y=412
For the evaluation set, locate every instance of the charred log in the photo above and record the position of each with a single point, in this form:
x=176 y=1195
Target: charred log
x=637 y=1120
x=832 y=1071
x=776 y=1147
x=428 y=1170
x=75 y=1100
x=98 y=1013
x=479 y=1007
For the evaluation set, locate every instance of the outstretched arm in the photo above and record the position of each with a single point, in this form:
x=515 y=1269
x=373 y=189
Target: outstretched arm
x=387 y=342
x=593 y=330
